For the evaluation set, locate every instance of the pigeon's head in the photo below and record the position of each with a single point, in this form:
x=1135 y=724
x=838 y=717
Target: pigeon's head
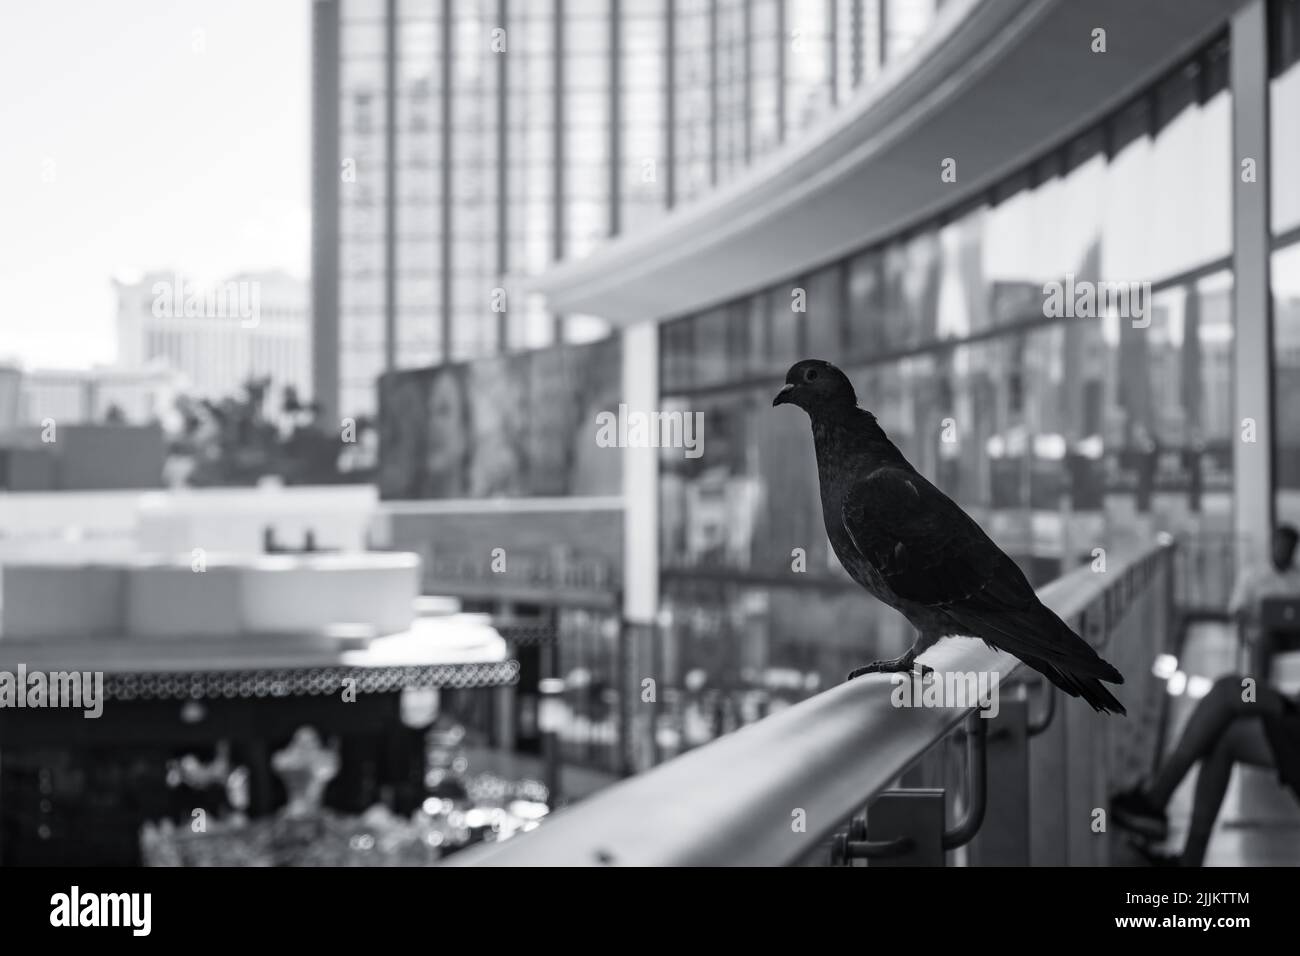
x=815 y=385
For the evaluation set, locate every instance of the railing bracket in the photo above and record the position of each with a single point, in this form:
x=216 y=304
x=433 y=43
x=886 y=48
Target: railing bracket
x=1036 y=727
x=853 y=845
x=976 y=783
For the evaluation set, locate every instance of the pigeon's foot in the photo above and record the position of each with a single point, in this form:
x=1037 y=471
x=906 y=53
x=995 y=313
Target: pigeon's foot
x=898 y=665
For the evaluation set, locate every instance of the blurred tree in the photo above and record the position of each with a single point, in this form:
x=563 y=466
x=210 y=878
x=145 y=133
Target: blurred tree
x=233 y=442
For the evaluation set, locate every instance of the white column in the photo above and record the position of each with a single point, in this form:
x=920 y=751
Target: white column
x=640 y=479
x=1252 y=463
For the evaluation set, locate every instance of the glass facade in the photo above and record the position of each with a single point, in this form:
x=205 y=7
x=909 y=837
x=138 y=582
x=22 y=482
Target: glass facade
x=1059 y=431
x=905 y=21
x=418 y=265
x=484 y=139
x=472 y=148
x=642 y=113
x=766 y=65
x=1284 y=134
x=730 y=50
x=587 y=120
x=692 y=28
x=530 y=198
x=362 y=200
x=808 y=75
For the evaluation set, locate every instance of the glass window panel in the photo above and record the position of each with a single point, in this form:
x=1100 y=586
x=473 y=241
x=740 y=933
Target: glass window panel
x=1284 y=117
x=808 y=62
x=1286 y=380
x=825 y=317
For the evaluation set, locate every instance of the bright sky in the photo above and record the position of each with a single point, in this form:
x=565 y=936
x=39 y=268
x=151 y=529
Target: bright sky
x=141 y=134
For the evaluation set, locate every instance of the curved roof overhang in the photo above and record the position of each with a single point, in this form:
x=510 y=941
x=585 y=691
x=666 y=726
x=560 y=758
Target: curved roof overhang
x=992 y=85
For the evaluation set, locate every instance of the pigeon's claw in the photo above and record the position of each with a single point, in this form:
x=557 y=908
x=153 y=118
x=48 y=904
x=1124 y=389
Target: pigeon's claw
x=898 y=665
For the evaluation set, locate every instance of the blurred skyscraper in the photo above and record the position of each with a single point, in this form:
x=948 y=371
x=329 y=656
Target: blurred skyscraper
x=458 y=143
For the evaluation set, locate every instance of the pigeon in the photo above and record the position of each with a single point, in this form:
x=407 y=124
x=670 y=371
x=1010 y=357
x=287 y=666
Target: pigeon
x=913 y=548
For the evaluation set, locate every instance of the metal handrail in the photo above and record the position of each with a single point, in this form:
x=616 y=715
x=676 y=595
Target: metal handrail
x=741 y=798
x=977 y=790
x=1039 y=725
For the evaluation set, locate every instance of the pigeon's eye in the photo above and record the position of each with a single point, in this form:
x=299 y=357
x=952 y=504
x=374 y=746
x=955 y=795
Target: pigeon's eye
x=809 y=375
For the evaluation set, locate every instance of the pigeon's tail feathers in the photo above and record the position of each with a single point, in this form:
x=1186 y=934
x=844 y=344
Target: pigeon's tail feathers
x=1036 y=633
x=1089 y=688
x=1047 y=644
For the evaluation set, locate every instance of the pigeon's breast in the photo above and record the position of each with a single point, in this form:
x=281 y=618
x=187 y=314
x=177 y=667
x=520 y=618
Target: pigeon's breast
x=837 y=471
x=858 y=567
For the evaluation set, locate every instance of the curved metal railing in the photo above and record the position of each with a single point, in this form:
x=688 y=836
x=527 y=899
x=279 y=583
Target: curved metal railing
x=781 y=790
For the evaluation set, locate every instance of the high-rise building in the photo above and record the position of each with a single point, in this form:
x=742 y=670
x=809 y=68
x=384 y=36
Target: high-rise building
x=217 y=335
x=458 y=144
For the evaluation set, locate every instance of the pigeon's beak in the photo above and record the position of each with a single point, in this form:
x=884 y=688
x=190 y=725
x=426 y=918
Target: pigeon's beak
x=783 y=396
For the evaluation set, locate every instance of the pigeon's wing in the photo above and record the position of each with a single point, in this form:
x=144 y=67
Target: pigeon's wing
x=930 y=552
x=925 y=547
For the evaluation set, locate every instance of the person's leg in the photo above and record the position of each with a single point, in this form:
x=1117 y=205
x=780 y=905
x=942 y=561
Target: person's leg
x=1243 y=742
x=1212 y=716
x=1263 y=652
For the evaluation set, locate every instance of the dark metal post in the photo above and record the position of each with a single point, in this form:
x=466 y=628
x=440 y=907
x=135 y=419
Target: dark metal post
x=882 y=34
x=550 y=718
x=1004 y=838
x=622 y=685
x=833 y=50
x=326 y=185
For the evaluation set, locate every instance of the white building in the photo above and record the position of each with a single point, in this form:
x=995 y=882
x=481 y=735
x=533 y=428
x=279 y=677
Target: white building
x=11 y=395
x=82 y=396
x=218 y=335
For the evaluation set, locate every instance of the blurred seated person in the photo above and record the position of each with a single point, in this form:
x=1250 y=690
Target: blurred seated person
x=1237 y=722
x=1278 y=578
